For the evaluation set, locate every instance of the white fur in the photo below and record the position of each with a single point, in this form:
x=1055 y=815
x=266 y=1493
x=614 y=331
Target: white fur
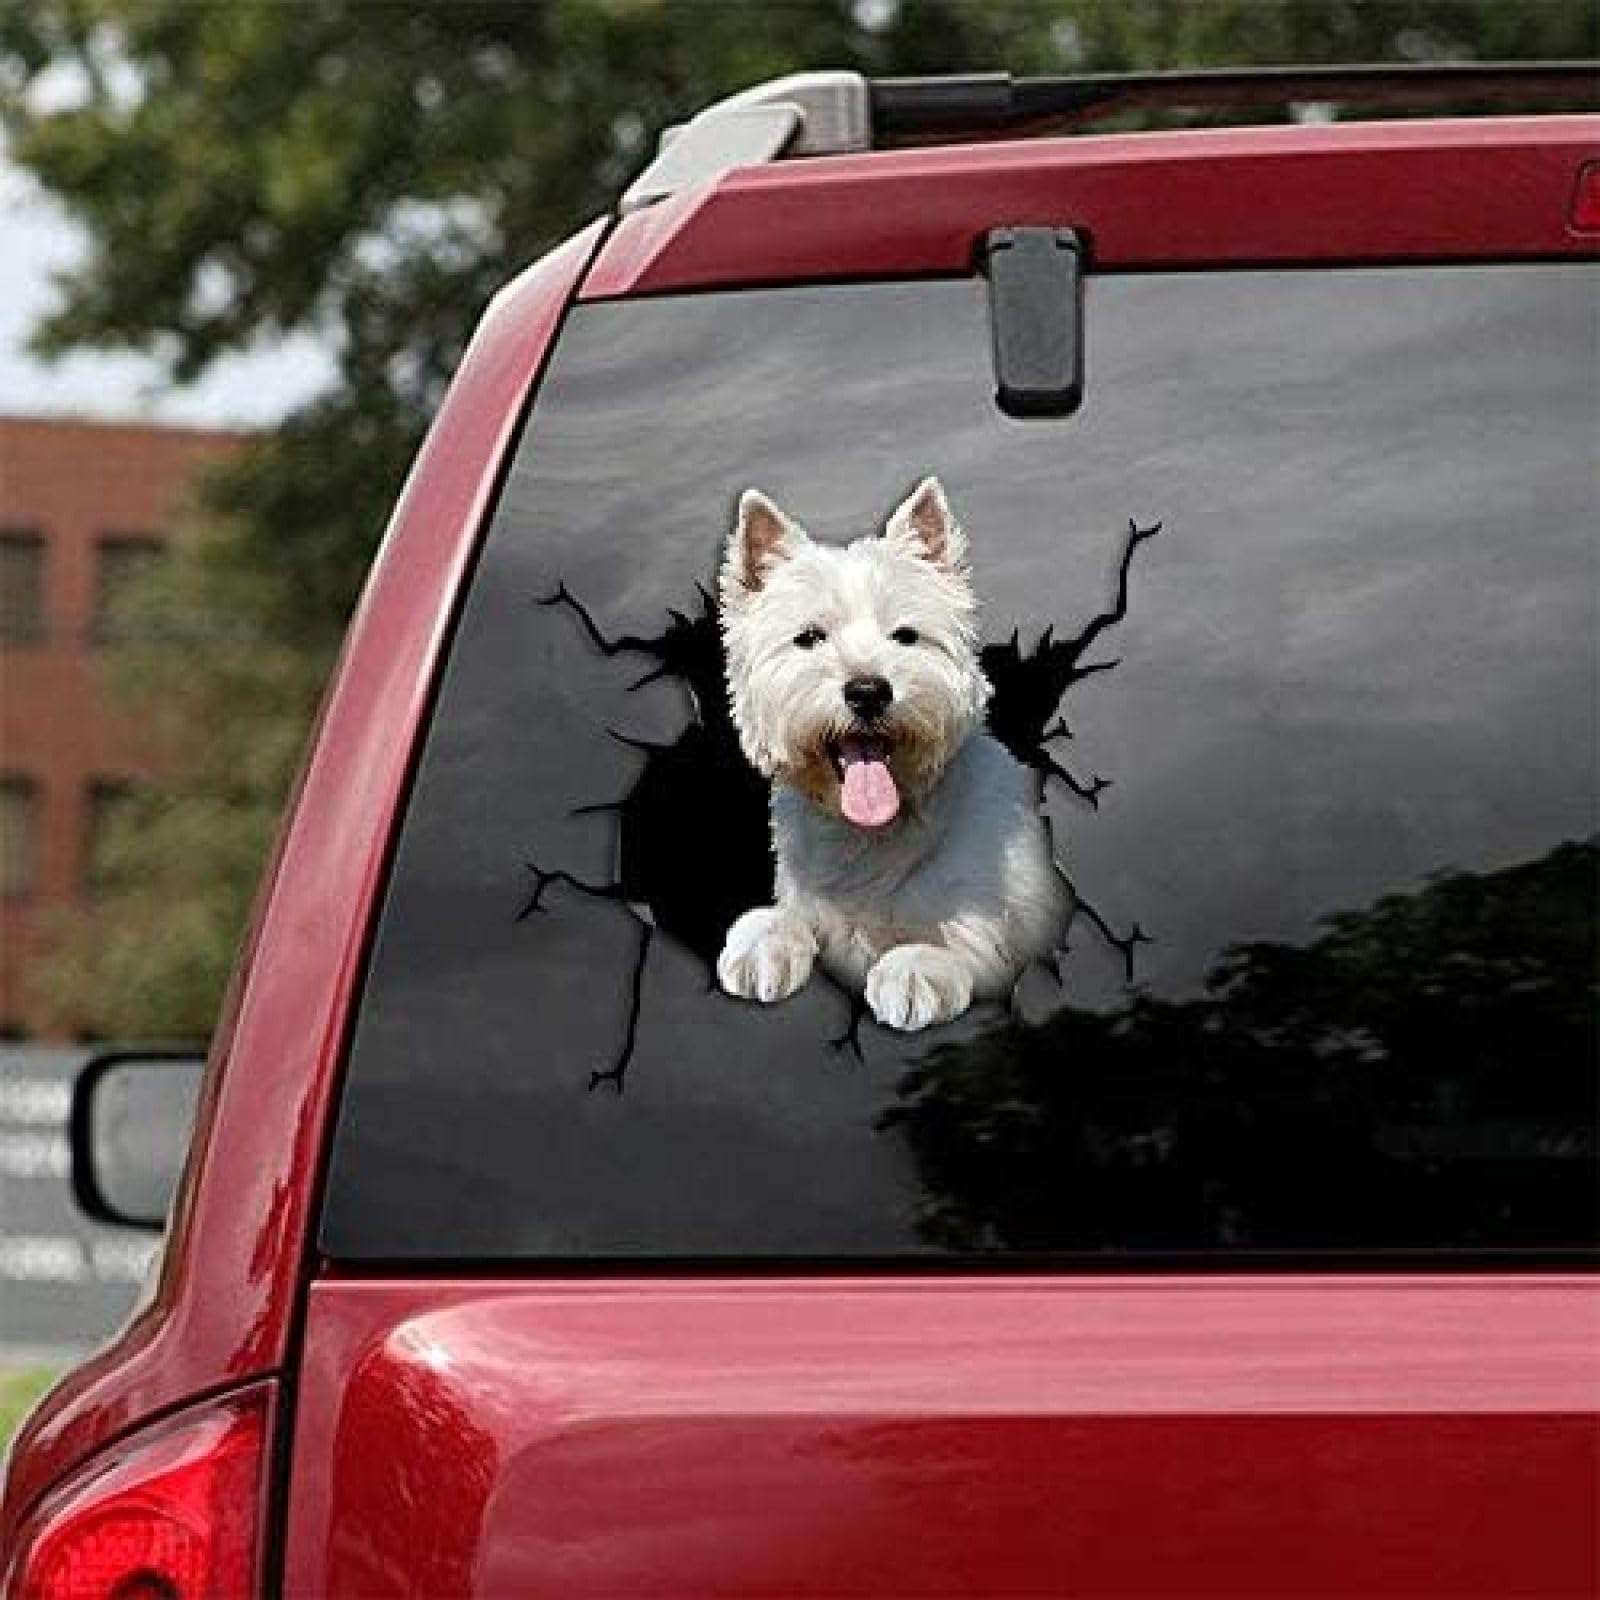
x=952 y=899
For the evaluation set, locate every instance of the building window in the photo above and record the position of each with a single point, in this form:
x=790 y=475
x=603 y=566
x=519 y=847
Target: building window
x=105 y=834
x=21 y=586
x=123 y=564
x=19 y=835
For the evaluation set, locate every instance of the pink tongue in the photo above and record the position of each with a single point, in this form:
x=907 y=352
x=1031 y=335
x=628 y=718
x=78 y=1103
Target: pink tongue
x=870 y=798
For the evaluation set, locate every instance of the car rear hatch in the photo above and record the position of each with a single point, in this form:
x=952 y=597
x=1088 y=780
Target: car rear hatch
x=1242 y=1253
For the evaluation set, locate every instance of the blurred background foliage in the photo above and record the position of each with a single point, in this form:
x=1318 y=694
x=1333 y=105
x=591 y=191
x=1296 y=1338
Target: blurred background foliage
x=372 y=173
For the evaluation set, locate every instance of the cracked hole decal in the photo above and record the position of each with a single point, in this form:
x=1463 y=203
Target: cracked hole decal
x=846 y=721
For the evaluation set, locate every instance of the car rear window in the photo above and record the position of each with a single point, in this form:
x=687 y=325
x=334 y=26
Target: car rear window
x=1317 y=757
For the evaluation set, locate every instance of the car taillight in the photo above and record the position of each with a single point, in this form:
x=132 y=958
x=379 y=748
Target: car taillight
x=172 y=1513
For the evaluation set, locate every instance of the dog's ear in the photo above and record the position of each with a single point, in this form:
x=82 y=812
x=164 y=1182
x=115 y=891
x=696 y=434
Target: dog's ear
x=762 y=537
x=925 y=526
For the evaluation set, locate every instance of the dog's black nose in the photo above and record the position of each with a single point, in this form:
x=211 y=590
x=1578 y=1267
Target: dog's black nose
x=868 y=697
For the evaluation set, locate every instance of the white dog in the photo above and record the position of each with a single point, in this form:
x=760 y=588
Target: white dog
x=911 y=856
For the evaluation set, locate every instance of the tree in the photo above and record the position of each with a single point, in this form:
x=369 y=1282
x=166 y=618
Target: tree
x=1421 y=1072
x=375 y=171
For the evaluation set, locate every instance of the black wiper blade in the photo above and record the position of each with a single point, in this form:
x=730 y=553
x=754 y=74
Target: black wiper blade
x=991 y=103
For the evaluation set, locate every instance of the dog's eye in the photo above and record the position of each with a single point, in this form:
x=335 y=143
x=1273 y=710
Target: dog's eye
x=905 y=635
x=809 y=638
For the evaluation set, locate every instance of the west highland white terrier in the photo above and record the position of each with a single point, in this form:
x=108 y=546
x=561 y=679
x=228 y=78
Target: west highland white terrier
x=912 y=859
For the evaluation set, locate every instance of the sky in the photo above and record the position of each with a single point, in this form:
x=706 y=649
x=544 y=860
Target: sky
x=37 y=241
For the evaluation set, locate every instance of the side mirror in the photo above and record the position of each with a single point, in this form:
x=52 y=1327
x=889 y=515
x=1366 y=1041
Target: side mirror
x=132 y=1116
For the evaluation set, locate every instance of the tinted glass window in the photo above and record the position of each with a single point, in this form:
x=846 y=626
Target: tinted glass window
x=1328 y=979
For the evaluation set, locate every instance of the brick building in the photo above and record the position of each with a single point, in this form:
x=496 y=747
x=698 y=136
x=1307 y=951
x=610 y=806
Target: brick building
x=84 y=507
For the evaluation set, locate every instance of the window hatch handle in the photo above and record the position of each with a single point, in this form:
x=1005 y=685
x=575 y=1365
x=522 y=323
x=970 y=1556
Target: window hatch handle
x=1036 y=314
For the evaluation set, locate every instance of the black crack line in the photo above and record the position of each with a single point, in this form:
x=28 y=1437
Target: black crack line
x=633 y=643
x=1080 y=673
x=638 y=644
x=616 y=1074
x=654 y=675
x=1126 y=945
x=1077 y=647
x=1090 y=789
x=645 y=747
x=1068 y=668
x=850 y=1039
x=1118 y=610
x=542 y=881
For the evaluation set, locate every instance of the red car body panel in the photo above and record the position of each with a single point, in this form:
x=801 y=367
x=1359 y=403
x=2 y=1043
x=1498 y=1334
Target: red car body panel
x=1016 y=1436
x=1243 y=1435
x=1407 y=191
x=233 y=1278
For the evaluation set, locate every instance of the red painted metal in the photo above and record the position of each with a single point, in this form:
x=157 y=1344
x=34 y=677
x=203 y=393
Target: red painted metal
x=237 y=1256
x=1355 y=192
x=1021 y=1436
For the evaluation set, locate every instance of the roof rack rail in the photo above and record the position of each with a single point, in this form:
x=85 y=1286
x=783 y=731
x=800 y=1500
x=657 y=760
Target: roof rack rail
x=908 y=109
x=835 y=112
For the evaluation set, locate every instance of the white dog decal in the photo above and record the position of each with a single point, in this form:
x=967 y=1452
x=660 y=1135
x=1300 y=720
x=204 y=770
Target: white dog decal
x=912 y=859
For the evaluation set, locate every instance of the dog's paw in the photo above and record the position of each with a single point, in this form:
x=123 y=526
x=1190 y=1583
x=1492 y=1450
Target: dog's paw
x=767 y=956
x=918 y=986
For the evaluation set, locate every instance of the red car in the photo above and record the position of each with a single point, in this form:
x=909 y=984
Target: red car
x=1245 y=1247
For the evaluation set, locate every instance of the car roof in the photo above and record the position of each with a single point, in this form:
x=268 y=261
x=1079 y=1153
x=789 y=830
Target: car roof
x=842 y=112
x=1359 y=193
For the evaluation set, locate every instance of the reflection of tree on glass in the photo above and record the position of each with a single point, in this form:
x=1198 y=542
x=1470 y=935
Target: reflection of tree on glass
x=1421 y=1074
